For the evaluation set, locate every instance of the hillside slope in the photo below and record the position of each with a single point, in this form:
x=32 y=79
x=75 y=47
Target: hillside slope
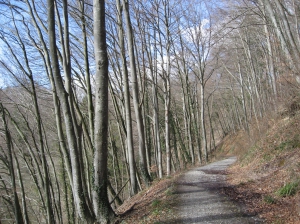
x=265 y=181
x=266 y=178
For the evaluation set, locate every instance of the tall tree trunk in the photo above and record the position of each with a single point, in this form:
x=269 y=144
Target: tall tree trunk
x=202 y=122
x=102 y=208
x=167 y=97
x=129 y=136
x=137 y=108
x=87 y=69
x=270 y=60
x=154 y=87
x=78 y=193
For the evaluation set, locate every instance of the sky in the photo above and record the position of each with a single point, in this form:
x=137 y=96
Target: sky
x=1 y=82
x=1 y=75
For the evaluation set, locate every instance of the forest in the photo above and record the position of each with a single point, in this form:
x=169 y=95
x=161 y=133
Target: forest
x=99 y=98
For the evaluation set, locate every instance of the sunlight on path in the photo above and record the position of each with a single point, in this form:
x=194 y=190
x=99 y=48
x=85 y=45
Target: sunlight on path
x=199 y=200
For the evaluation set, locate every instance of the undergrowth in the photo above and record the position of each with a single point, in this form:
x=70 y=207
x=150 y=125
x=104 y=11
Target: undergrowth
x=269 y=154
x=269 y=199
x=159 y=205
x=288 y=189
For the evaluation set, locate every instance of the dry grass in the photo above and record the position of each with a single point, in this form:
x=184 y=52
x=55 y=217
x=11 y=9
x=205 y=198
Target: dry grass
x=153 y=205
x=268 y=160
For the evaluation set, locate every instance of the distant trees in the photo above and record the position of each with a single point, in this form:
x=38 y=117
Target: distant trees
x=283 y=20
x=159 y=82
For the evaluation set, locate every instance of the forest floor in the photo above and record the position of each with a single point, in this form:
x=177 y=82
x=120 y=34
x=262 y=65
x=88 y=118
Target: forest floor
x=153 y=205
x=264 y=182
x=266 y=178
x=195 y=196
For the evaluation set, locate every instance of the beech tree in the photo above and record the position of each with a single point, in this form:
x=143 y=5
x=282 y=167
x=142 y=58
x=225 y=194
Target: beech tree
x=129 y=137
x=102 y=208
x=136 y=98
x=157 y=82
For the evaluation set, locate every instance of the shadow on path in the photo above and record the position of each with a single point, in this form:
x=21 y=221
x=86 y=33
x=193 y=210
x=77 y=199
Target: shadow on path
x=199 y=200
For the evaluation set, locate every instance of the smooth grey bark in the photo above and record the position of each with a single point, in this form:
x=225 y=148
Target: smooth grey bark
x=163 y=21
x=135 y=90
x=149 y=144
x=129 y=136
x=212 y=132
x=119 y=108
x=270 y=59
x=121 y=129
x=89 y=92
x=196 y=118
x=102 y=208
x=156 y=129
x=289 y=44
x=177 y=163
x=241 y=82
x=252 y=89
x=78 y=193
x=184 y=152
x=243 y=96
x=185 y=85
x=66 y=190
x=202 y=122
x=290 y=37
x=65 y=57
x=86 y=149
x=145 y=91
x=114 y=155
x=167 y=88
x=155 y=111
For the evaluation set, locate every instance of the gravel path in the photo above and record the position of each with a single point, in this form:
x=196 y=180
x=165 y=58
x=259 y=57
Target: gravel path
x=199 y=200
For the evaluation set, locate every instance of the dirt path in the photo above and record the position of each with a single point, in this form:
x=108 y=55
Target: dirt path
x=199 y=200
